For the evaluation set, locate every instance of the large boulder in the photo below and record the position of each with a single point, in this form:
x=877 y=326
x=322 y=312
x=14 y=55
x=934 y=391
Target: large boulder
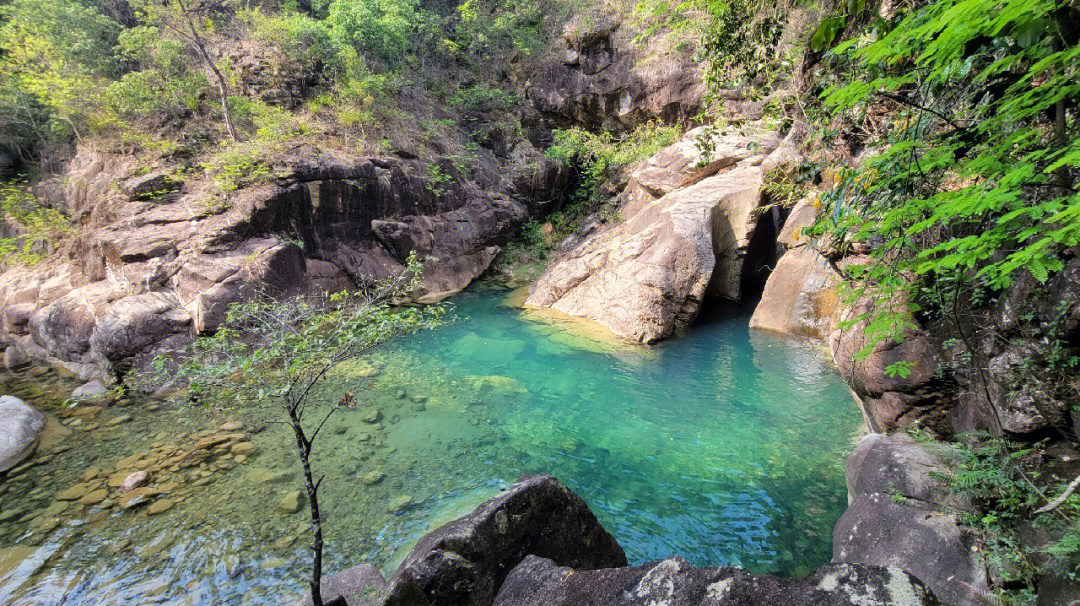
x=464 y=562
x=646 y=277
x=897 y=517
x=20 y=426
x=800 y=296
x=674 y=582
x=891 y=398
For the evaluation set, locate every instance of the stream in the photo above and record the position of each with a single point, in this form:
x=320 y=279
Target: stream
x=723 y=445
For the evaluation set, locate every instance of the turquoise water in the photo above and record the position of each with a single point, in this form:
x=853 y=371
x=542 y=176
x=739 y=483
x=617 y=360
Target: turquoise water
x=723 y=445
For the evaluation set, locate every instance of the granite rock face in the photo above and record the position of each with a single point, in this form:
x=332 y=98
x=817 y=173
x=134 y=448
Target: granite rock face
x=603 y=79
x=20 y=426
x=800 y=297
x=897 y=517
x=689 y=224
x=465 y=561
x=160 y=259
x=540 y=582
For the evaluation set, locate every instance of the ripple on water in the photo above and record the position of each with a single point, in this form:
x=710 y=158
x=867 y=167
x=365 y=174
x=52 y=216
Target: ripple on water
x=722 y=445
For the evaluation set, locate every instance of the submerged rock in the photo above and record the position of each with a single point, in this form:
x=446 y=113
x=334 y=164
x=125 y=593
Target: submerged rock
x=20 y=426
x=674 y=582
x=133 y=480
x=90 y=390
x=291 y=502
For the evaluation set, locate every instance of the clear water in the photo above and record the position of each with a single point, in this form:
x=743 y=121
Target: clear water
x=723 y=445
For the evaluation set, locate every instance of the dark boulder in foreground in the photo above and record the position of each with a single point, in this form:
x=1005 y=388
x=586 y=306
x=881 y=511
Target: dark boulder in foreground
x=465 y=561
x=539 y=544
x=540 y=582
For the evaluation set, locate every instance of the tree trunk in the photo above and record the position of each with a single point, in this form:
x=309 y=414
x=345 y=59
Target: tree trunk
x=223 y=88
x=303 y=447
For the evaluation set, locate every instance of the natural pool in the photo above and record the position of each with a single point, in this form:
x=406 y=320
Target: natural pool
x=723 y=445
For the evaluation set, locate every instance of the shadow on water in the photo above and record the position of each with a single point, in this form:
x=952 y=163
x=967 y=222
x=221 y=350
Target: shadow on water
x=721 y=445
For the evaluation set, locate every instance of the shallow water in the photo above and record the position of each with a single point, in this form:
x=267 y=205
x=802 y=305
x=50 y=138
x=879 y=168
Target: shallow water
x=723 y=445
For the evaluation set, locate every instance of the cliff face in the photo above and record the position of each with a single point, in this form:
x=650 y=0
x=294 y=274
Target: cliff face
x=160 y=251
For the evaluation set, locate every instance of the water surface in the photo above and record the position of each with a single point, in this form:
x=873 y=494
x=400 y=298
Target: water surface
x=723 y=445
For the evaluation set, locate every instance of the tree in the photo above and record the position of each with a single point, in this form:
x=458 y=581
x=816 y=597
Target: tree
x=282 y=349
x=186 y=19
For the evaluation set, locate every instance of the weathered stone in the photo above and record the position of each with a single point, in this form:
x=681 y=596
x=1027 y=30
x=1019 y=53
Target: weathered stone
x=372 y=477
x=74 y=493
x=160 y=506
x=20 y=427
x=232 y=426
x=800 y=297
x=136 y=497
x=464 y=562
x=802 y=215
x=89 y=391
x=921 y=539
x=243 y=448
x=361 y=585
x=94 y=497
x=133 y=481
x=674 y=582
x=648 y=276
x=898 y=465
x=291 y=502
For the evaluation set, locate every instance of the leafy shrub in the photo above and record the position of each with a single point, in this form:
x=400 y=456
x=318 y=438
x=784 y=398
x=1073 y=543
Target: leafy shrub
x=237 y=166
x=41 y=227
x=483 y=98
x=382 y=27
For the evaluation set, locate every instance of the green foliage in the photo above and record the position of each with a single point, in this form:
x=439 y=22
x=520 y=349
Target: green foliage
x=382 y=27
x=974 y=176
x=436 y=178
x=900 y=369
x=237 y=166
x=54 y=55
x=41 y=227
x=496 y=30
x=740 y=44
x=1002 y=480
x=162 y=82
x=266 y=348
x=598 y=156
x=482 y=98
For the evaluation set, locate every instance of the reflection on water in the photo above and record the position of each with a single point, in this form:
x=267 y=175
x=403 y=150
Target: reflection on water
x=722 y=445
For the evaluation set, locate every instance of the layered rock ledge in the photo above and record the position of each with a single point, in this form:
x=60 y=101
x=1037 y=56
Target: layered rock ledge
x=539 y=544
